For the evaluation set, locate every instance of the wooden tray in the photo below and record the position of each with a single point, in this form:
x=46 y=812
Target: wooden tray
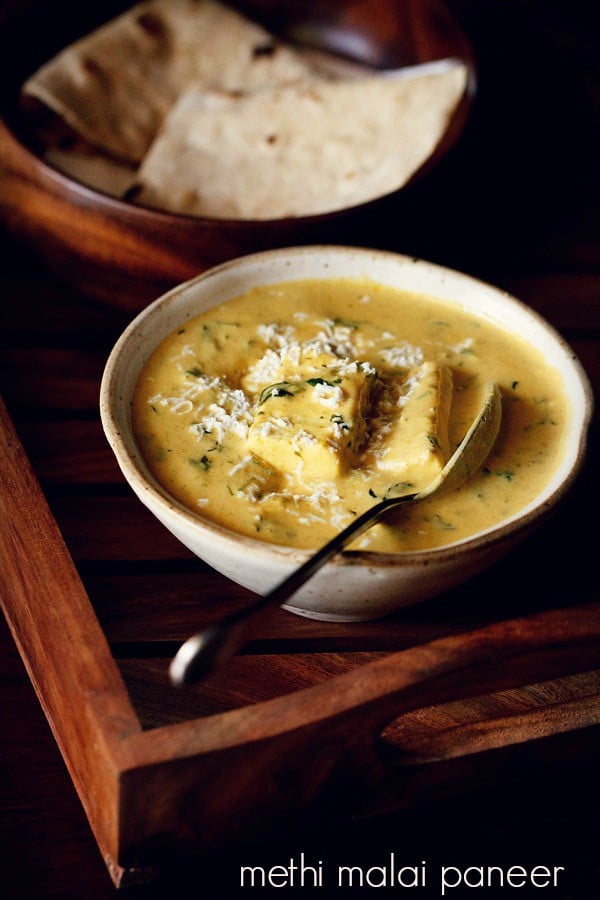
x=208 y=782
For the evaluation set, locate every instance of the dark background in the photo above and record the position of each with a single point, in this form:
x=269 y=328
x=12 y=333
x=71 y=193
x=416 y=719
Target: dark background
x=515 y=203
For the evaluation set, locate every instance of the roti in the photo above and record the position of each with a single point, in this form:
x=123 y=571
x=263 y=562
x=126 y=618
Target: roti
x=300 y=149
x=115 y=86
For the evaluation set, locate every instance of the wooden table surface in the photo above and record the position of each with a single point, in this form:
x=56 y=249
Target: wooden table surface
x=514 y=204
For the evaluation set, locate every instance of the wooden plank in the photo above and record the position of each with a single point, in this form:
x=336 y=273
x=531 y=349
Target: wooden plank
x=42 y=312
x=61 y=642
x=247 y=680
x=429 y=734
x=69 y=452
x=569 y=300
x=154 y=606
x=51 y=378
x=497 y=720
x=114 y=528
x=190 y=769
x=46 y=838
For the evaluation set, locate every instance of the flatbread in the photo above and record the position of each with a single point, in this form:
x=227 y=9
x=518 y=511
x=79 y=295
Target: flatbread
x=116 y=85
x=298 y=150
x=92 y=169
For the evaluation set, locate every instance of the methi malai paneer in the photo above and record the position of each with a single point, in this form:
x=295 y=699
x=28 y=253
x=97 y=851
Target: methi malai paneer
x=285 y=412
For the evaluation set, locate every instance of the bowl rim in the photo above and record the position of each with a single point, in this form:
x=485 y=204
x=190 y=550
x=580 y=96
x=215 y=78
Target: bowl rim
x=143 y=481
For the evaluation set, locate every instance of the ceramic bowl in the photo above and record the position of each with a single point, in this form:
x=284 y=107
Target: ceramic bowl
x=126 y=255
x=362 y=585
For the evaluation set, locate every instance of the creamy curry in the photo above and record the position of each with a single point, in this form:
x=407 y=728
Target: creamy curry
x=286 y=412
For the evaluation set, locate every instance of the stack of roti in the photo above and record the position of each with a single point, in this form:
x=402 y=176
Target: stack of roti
x=116 y=85
x=188 y=106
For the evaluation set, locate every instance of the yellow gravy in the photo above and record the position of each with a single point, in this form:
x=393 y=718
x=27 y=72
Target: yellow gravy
x=281 y=414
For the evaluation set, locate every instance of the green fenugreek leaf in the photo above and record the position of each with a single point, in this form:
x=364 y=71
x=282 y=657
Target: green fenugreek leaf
x=354 y=324
x=203 y=462
x=314 y=381
x=508 y=474
x=402 y=485
x=281 y=389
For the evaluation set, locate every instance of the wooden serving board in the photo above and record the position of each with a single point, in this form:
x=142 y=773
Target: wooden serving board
x=367 y=714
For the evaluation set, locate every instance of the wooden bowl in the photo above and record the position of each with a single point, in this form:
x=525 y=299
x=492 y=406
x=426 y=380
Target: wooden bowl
x=126 y=255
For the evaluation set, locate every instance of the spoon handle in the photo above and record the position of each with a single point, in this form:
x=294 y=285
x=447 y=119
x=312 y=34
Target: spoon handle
x=210 y=648
x=205 y=651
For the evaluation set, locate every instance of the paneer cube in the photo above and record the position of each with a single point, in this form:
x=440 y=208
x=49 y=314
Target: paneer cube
x=253 y=479
x=414 y=447
x=312 y=423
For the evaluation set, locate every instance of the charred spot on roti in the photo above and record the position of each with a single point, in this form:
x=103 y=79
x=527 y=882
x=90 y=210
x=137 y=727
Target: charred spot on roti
x=153 y=25
x=262 y=50
x=67 y=141
x=312 y=93
x=132 y=192
x=189 y=200
x=92 y=67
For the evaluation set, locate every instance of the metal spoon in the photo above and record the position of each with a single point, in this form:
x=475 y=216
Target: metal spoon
x=202 y=653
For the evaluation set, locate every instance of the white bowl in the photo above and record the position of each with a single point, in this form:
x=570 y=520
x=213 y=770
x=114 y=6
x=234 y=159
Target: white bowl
x=363 y=585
